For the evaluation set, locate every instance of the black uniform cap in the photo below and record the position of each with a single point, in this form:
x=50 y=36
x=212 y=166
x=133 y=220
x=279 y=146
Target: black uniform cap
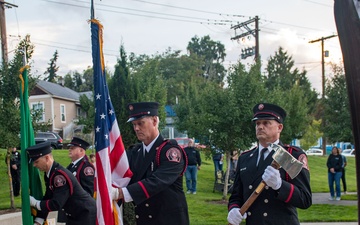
x=141 y=109
x=267 y=111
x=79 y=142
x=38 y=150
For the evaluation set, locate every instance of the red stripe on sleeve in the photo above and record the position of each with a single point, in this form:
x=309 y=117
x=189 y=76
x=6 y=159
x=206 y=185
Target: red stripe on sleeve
x=291 y=193
x=144 y=189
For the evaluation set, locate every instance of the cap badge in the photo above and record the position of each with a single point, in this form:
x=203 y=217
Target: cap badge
x=261 y=107
x=131 y=107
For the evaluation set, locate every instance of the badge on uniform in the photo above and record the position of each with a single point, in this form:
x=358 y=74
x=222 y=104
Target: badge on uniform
x=89 y=171
x=59 y=181
x=173 y=155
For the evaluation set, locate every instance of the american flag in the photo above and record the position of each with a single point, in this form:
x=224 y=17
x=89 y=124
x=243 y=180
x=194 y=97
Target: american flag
x=112 y=167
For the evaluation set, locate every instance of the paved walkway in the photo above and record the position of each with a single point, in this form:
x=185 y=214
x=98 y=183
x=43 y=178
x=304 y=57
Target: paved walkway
x=318 y=198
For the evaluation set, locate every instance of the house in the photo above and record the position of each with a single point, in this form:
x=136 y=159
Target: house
x=60 y=106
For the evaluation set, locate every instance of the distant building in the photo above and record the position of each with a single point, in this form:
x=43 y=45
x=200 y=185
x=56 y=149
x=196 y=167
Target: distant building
x=170 y=131
x=60 y=106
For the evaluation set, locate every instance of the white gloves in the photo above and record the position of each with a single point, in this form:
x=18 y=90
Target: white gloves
x=235 y=217
x=114 y=193
x=34 y=203
x=272 y=177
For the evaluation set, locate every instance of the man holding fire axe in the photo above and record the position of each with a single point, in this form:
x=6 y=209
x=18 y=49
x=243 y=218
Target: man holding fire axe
x=279 y=172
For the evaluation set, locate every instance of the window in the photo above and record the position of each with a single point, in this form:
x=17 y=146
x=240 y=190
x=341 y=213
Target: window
x=63 y=113
x=38 y=110
x=78 y=112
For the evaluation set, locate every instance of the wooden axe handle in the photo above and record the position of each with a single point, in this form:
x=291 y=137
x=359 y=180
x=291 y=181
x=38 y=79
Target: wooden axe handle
x=256 y=192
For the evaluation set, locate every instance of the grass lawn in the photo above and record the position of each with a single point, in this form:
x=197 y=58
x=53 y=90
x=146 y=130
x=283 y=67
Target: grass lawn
x=206 y=207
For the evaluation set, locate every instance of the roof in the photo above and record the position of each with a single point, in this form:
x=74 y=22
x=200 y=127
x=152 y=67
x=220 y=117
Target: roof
x=58 y=90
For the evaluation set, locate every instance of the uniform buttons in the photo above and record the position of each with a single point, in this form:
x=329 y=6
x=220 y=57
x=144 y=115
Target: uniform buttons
x=249 y=213
x=62 y=209
x=266 y=200
x=147 y=205
x=265 y=214
x=137 y=216
x=266 y=187
x=150 y=216
x=250 y=187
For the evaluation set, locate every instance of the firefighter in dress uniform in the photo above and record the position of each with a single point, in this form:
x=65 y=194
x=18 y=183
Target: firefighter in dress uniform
x=80 y=167
x=156 y=187
x=63 y=191
x=15 y=163
x=278 y=202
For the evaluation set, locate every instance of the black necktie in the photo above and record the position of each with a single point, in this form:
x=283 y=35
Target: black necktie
x=262 y=156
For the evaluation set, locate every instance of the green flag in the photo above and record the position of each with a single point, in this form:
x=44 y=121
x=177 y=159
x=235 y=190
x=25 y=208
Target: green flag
x=30 y=177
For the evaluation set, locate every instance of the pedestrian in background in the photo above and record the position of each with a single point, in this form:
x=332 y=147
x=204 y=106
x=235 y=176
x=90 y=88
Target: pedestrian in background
x=194 y=163
x=334 y=164
x=15 y=162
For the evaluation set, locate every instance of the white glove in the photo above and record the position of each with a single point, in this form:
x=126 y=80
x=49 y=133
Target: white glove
x=114 y=193
x=34 y=203
x=235 y=217
x=272 y=177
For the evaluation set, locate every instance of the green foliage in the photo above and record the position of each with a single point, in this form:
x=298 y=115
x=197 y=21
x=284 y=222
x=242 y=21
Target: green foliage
x=336 y=108
x=213 y=54
x=9 y=95
x=88 y=107
x=52 y=69
x=311 y=135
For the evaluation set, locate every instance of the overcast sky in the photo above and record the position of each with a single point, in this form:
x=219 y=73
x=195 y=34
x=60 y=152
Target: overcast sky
x=152 y=26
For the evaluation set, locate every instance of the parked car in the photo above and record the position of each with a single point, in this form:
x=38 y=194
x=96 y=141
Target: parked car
x=314 y=151
x=54 y=138
x=348 y=152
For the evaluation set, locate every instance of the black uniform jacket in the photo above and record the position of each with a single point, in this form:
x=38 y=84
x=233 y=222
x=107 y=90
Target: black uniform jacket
x=63 y=191
x=84 y=172
x=156 y=186
x=271 y=207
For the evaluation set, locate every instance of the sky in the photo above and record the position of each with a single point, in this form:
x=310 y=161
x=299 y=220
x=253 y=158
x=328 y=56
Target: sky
x=153 y=26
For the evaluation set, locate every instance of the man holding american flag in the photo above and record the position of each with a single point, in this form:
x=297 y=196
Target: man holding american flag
x=158 y=165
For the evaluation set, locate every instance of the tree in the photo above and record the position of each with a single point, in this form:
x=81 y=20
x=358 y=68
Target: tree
x=9 y=95
x=52 y=69
x=223 y=114
x=312 y=135
x=282 y=74
x=121 y=94
x=68 y=82
x=213 y=54
x=336 y=108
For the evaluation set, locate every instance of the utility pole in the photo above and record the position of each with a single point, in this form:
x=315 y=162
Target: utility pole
x=255 y=32
x=4 y=49
x=323 y=81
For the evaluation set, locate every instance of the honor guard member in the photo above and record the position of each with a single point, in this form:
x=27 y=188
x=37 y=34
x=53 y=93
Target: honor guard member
x=80 y=167
x=278 y=202
x=63 y=191
x=156 y=187
x=15 y=163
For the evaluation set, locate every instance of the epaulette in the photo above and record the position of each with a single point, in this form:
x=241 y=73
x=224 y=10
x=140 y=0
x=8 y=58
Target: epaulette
x=293 y=147
x=247 y=151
